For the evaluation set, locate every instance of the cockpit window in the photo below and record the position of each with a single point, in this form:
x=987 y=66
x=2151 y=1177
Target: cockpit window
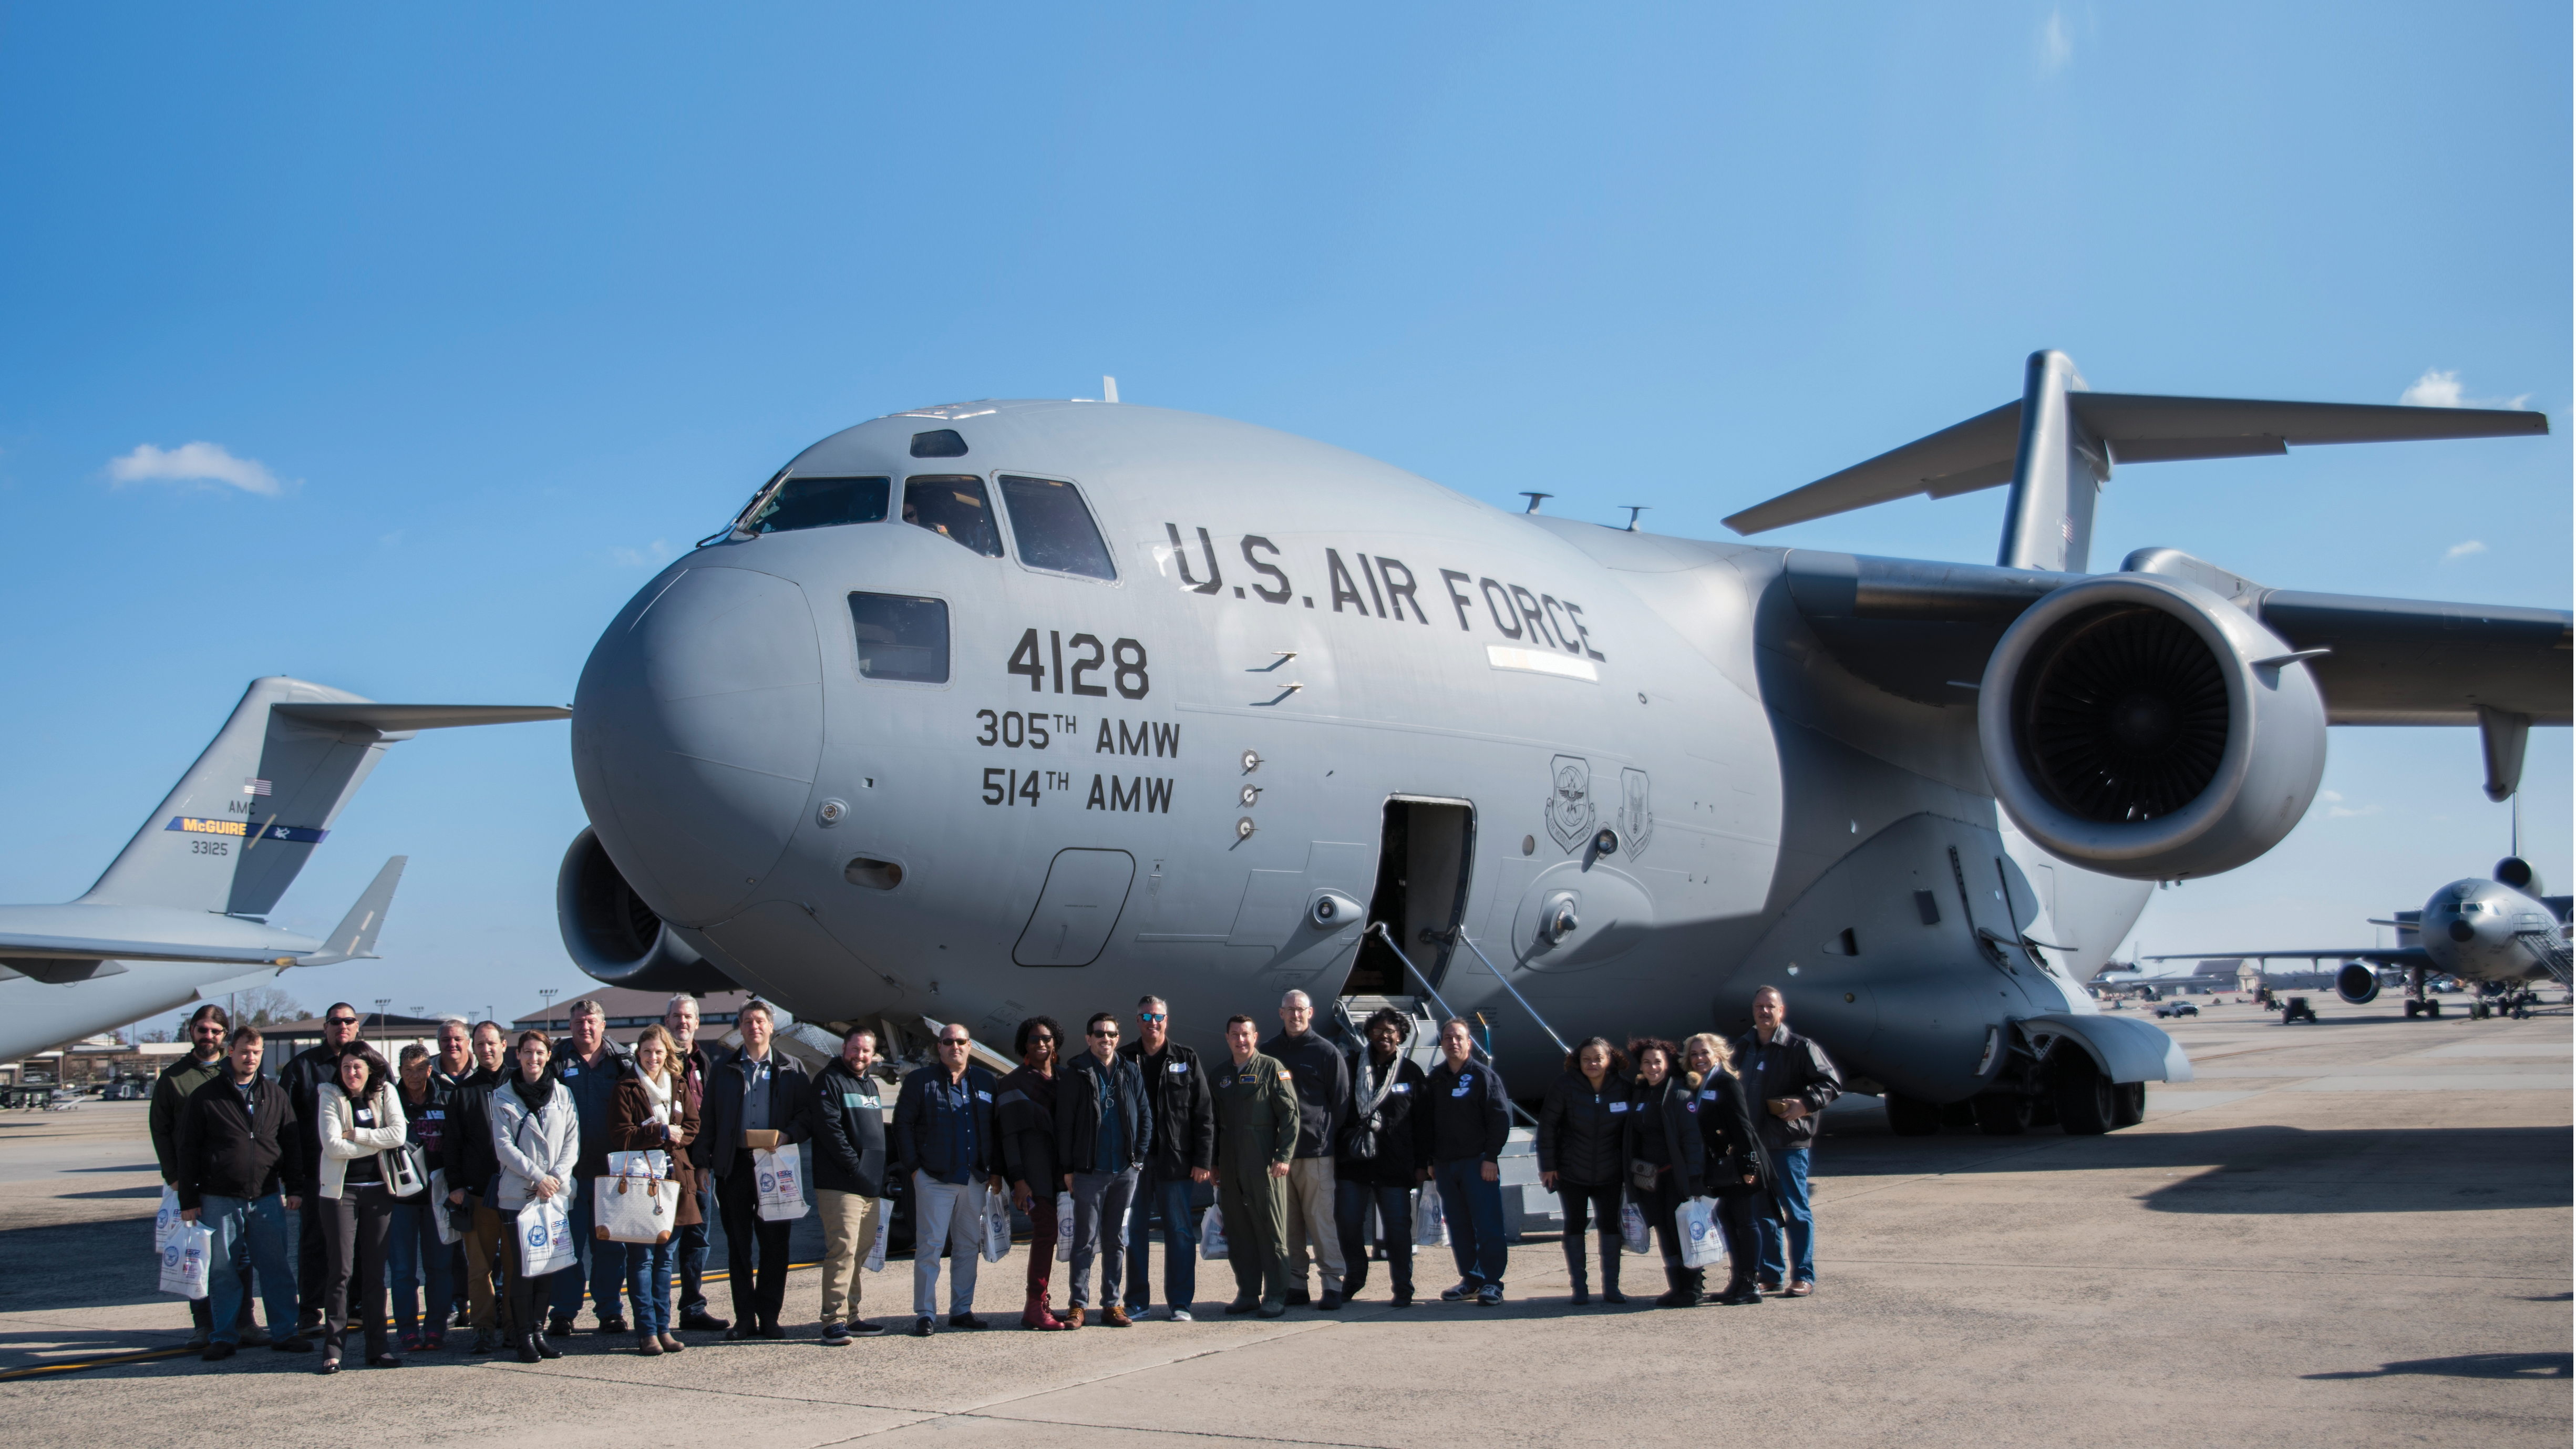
x=821 y=503
x=901 y=638
x=1053 y=529
x=952 y=506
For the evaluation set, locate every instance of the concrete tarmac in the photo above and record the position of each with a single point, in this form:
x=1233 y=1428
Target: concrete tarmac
x=2351 y=1233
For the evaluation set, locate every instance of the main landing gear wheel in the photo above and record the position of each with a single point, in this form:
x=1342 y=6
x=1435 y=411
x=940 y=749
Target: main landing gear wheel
x=2084 y=1107
x=2413 y=1008
x=1912 y=1117
x=2433 y=1008
x=2128 y=1104
x=2002 y=1114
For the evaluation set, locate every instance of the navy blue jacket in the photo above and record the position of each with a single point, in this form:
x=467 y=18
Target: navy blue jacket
x=1469 y=1117
x=919 y=1145
x=1077 y=1113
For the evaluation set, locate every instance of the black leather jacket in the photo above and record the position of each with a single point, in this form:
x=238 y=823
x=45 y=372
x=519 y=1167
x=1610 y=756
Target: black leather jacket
x=1791 y=1066
x=1582 y=1134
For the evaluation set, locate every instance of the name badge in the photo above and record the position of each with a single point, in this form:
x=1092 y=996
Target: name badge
x=1459 y=1090
x=1178 y=1069
x=1402 y=1089
x=570 y=1072
x=980 y=1092
x=1708 y=1094
x=1618 y=1106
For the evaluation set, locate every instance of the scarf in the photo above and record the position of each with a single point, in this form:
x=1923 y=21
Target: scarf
x=536 y=1093
x=1372 y=1093
x=657 y=1090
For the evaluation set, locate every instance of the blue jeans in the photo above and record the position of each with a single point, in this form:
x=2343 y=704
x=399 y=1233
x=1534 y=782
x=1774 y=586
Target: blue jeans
x=416 y=1269
x=689 y=1248
x=1180 y=1244
x=606 y=1262
x=1474 y=1208
x=1394 y=1203
x=248 y=1235
x=648 y=1282
x=1788 y=1197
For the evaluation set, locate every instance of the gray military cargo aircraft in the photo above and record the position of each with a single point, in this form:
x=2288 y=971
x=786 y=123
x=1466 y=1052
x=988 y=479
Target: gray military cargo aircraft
x=1002 y=707
x=184 y=904
x=2500 y=935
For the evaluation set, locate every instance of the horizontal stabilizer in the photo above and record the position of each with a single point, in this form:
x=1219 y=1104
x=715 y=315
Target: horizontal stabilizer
x=2136 y=428
x=2384 y=955
x=355 y=937
x=403 y=718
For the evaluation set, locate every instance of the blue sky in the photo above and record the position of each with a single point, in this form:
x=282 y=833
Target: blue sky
x=489 y=311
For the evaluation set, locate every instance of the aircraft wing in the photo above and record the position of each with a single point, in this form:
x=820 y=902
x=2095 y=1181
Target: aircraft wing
x=2384 y=955
x=92 y=948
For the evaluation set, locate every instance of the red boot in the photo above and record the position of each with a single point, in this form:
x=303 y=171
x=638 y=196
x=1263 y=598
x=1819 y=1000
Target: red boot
x=1035 y=1315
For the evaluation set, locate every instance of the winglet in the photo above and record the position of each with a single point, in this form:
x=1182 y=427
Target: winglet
x=354 y=939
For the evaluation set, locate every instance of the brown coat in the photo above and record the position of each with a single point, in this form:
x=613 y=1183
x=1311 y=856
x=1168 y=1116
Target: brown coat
x=631 y=1128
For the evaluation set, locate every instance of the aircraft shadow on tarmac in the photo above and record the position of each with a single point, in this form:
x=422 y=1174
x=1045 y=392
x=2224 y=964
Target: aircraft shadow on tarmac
x=2258 y=1170
x=2471 y=1366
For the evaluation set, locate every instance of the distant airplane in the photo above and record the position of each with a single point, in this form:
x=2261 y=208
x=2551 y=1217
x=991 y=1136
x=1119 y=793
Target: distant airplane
x=995 y=708
x=2501 y=934
x=185 y=903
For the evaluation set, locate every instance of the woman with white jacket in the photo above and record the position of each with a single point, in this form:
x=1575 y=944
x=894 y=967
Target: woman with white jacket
x=360 y=1119
x=537 y=1138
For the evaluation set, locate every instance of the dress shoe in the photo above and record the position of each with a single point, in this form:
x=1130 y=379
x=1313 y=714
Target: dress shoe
x=772 y=1331
x=1404 y=1298
x=1802 y=1289
x=737 y=1335
x=254 y=1336
x=1241 y=1306
x=612 y=1324
x=702 y=1321
x=964 y=1320
x=1297 y=1298
x=1771 y=1286
x=671 y=1345
x=384 y=1360
x=924 y=1326
x=297 y=1344
x=1274 y=1310
x=1115 y=1316
x=217 y=1352
x=1331 y=1302
x=559 y=1326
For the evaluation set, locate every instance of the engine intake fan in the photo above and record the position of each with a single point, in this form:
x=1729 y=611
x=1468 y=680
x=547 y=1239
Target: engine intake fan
x=2144 y=727
x=614 y=937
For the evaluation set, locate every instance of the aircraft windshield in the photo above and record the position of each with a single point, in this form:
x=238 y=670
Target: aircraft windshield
x=952 y=506
x=1053 y=529
x=901 y=638
x=822 y=503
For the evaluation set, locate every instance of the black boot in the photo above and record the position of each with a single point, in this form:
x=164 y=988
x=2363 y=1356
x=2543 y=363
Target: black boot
x=1574 y=1269
x=1610 y=1249
x=1679 y=1290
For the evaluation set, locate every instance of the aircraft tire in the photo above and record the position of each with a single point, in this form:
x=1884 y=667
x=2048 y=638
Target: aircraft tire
x=2128 y=1104
x=1912 y=1117
x=2084 y=1107
x=2433 y=1009
x=2002 y=1114
x=2412 y=1008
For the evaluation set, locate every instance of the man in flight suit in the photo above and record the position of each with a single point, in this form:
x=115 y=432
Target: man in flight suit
x=1256 y=1137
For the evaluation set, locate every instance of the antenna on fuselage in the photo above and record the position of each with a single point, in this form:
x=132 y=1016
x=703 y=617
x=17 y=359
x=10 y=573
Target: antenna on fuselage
x=1108 y=388
x=1633 y=510
x=1534 y=498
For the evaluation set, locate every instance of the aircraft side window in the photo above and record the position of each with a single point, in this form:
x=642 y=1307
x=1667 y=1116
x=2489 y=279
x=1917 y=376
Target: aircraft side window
x=1053 y=528
x=952 y=506
x=822 y=503
x=901 y=638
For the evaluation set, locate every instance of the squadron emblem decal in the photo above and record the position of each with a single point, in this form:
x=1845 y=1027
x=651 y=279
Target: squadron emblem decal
x=1569 y=803
x=1636 y=820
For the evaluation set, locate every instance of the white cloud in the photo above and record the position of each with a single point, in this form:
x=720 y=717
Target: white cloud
x=651 y=555
x=194 y=463
x=2331 y=797
x=2439 y=388
x=2056 y=47
x=2345 y=812
x=2463 y=550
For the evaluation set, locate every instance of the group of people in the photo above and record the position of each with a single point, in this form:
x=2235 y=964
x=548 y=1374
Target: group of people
x=1307 y=1148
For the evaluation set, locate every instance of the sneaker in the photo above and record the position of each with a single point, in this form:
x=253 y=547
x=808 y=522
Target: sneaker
x=924 y=1326
x=432 y=1342
x=217 y=1352
x=1489 y=1295
x=1459 y=1294
x=411 y=1343
x=964 y=1320
x=861 y=1328
x=836 y=1335
x=1179 y=1315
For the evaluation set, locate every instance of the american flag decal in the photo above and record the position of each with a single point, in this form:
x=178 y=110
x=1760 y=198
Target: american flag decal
x=256 y=787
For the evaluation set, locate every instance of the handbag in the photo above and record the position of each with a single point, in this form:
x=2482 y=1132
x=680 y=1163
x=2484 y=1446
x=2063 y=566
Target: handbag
x=1643 y=1175
x=1360 y=1139
x=631 y=1209
x=406 y=1170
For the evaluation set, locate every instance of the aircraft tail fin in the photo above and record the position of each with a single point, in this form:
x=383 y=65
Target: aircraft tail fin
x=235 y=831
x=354 y=938
x=2057 y=445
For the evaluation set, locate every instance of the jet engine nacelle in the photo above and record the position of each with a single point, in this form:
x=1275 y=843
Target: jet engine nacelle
x=2144 y=727
x=2357 y=984
x=614 y=937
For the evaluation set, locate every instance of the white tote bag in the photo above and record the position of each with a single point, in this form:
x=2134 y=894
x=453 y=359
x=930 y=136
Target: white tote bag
x=1430 y=1219
x=1064 y=1227
x=1212 y=1236
x=885 y=1230
x=997 y=1226
x=1632 y=1228
x=183 y=1260
x=164 y=1222
x=1703 y=1245
x=634 y=1209
x=545 y=1238
x=439 y=1210
x=782 y=1184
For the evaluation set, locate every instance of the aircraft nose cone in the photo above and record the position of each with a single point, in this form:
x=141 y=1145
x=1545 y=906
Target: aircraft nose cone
x=695 y=734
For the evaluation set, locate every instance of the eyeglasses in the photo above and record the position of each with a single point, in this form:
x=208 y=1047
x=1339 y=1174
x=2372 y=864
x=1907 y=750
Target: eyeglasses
x=341 y=1020
x=1150 y=1017
x=952 y=1041
x=1039 y=1038
x=1109 y=1032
